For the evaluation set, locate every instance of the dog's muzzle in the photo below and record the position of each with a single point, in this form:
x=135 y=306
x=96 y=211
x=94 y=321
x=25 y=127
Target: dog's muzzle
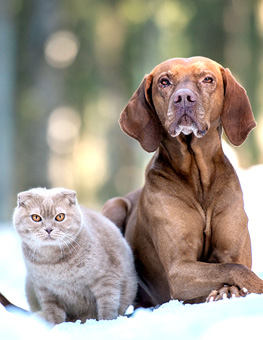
x=184 y=119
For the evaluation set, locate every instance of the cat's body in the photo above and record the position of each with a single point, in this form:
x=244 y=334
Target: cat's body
x=78 y=264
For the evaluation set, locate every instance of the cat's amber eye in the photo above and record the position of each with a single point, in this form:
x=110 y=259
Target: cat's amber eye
x=36 y=218
x=60 y=217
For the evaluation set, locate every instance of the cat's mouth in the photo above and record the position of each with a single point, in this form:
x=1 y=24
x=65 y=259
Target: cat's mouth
x=49 y=238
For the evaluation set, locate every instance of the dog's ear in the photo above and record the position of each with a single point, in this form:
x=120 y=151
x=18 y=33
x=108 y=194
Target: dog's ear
x=139 y=119
x=237 y=117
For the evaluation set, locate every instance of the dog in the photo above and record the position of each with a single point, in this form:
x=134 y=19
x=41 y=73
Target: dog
x=187 y=225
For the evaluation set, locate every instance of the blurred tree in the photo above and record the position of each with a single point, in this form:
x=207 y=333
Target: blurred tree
x=38 y=91
x=206 y=29
x=7 y=93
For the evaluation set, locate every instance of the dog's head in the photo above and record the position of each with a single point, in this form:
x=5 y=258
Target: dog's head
x=187 y=96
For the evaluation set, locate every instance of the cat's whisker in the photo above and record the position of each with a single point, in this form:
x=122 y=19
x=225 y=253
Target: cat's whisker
x=69 y=241
x=61 y=249
x=33 y=252
x=64 y=243
x=73 y=240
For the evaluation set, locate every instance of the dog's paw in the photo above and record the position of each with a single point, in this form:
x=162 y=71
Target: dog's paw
x=226 y=292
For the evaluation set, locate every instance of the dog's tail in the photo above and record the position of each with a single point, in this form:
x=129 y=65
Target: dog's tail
x=120 y=209
x=4 y=301
x=9 y=306
x=117 y=209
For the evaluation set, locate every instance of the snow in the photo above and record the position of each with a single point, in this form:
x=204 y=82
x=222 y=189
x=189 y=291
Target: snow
x=228 y=319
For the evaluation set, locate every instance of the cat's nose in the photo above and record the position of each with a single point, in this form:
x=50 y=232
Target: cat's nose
x=48 y=230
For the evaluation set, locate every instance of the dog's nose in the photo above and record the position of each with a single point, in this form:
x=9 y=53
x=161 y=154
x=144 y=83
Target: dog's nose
x=185 y=98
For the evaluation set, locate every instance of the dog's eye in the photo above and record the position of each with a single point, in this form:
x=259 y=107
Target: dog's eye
x=60 y=217
x=36 y=218
x=165 y=82
x=208 y=80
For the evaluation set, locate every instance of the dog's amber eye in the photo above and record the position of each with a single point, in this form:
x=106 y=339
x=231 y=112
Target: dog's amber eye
x=165 y=82
x=208 y=80
x=60 y=217
x=36 y=218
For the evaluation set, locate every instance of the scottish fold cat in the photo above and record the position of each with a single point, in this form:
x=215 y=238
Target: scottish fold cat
x=78 y=264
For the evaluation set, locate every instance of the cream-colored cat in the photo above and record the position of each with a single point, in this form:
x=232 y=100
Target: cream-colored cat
x=78 y=264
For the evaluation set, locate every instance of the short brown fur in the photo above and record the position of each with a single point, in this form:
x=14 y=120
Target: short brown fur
x=187 y=226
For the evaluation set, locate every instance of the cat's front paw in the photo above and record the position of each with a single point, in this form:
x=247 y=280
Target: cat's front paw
x=51 y=318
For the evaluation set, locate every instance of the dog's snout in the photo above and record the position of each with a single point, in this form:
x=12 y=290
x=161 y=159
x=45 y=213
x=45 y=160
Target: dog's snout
x=184 y=98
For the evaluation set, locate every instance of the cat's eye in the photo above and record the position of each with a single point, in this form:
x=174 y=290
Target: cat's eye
x=60 y=217
x=36 y=218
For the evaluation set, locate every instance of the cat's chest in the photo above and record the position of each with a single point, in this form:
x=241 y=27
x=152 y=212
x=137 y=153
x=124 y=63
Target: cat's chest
x=70 y=283
x=65 y=273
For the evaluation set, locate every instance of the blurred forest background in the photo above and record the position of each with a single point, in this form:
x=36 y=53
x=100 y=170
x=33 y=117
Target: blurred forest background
x=68 y=67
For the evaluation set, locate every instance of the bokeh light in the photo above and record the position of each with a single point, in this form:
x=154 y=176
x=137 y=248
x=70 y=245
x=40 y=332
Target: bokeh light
x=63 y=130
x=61 y=49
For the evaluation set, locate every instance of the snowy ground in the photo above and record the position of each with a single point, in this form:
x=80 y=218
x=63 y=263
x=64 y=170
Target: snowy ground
x=228 y=319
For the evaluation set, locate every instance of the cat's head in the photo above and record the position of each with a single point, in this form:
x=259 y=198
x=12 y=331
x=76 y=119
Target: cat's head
x=47 y=217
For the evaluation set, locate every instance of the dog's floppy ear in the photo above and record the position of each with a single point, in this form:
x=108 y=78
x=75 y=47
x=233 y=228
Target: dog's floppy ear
x=139 y=119
x=237 y=117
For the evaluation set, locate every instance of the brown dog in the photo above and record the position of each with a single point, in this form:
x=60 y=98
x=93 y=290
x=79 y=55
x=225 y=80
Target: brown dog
x=187 y=226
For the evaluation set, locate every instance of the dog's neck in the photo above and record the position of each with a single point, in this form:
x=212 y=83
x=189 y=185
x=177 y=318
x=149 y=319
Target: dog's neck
x=193 y=157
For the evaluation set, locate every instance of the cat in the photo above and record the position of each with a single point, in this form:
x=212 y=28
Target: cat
x=79 y=266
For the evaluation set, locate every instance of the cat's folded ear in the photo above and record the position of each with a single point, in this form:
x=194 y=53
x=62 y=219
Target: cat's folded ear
x=70 y=195
x=22 y=197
